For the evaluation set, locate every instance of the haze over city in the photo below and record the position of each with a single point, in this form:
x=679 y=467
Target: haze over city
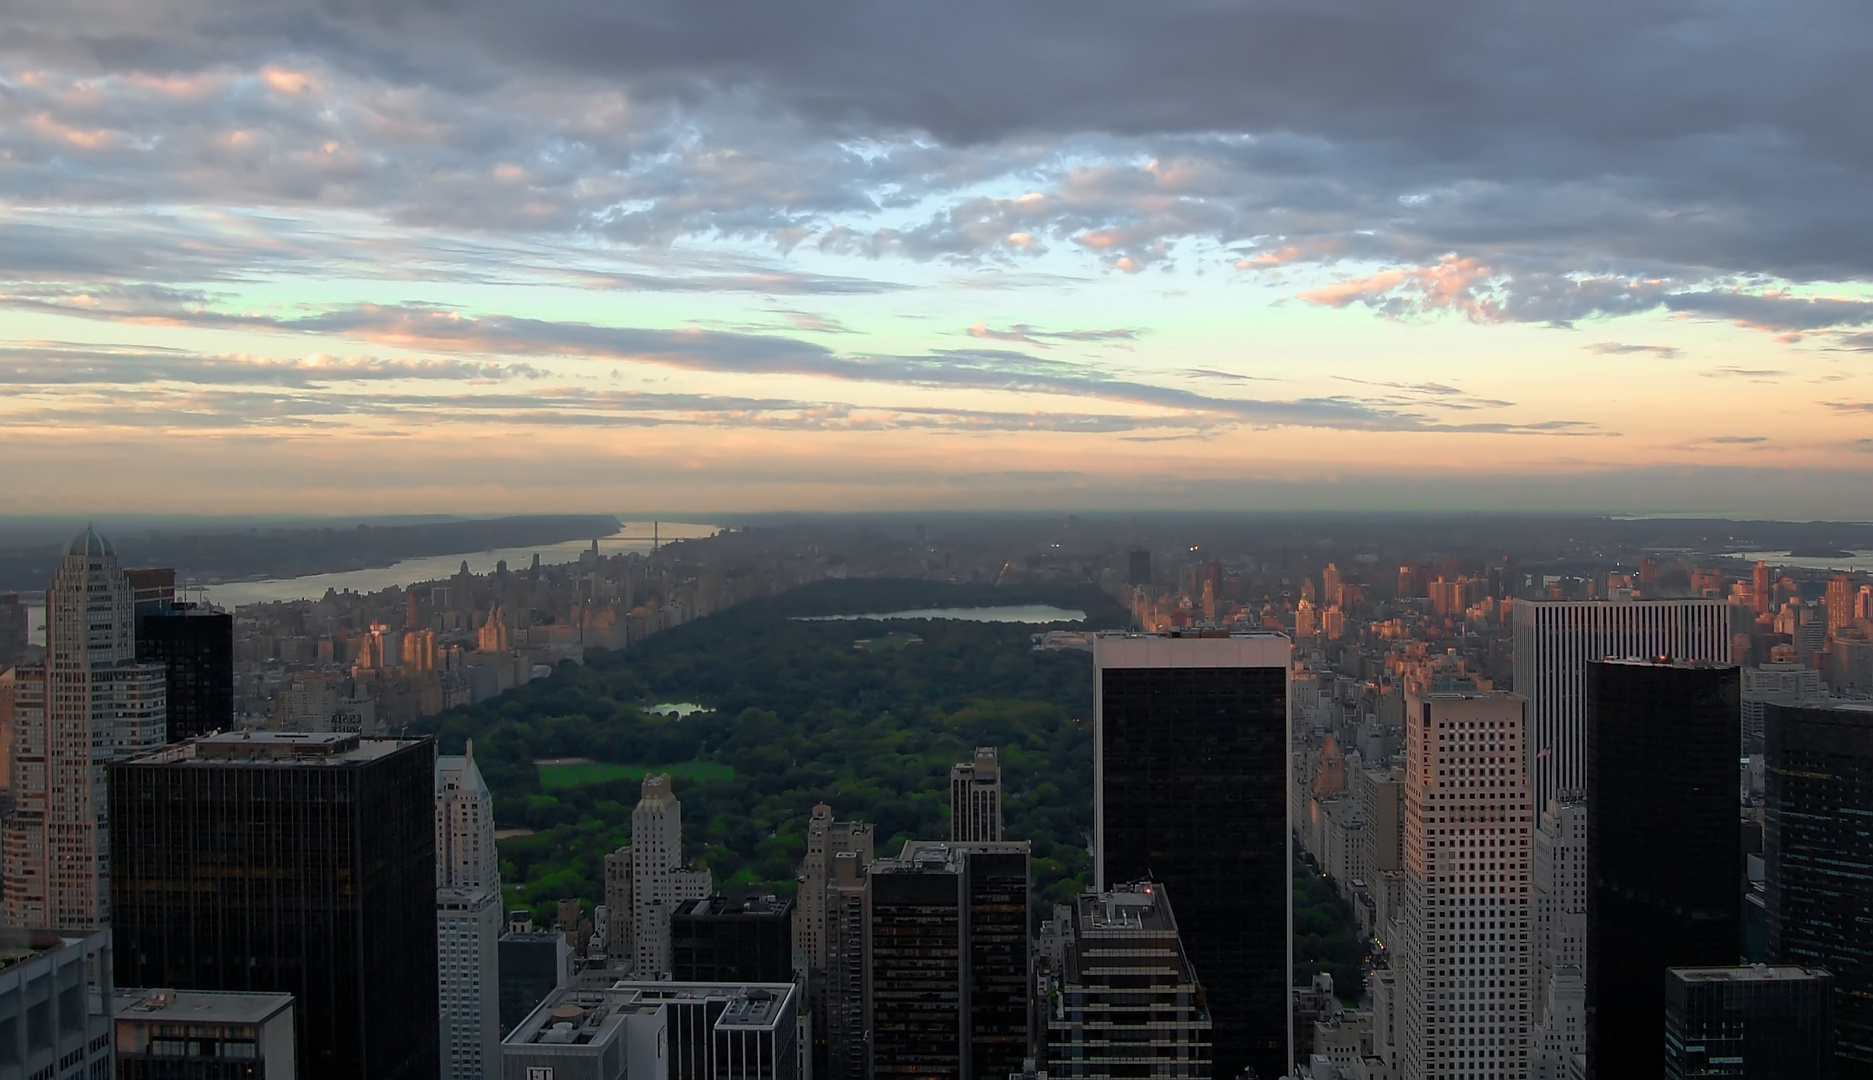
x=480 y=257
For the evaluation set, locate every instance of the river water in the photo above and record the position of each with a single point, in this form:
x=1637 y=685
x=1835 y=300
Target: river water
x=635 y=536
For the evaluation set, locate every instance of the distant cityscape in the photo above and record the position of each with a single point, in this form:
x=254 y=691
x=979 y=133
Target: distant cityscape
x=1590 y=794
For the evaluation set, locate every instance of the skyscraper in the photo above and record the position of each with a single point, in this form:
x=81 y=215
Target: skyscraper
x=658 y=881
x=719 y=940
x=844 y=983
x=1190 y=774
x=1840 y=597
x=292 y=863
x=1560 y=937
x=821 y=915
x=91 y=702
x=196 y=648
x=976 y=797
x=949 y=953
x=1755 y=1023
x=15 y=634
x=1555 y=639
x=1465 y=966
x=468 y=920
x=1763 y=588
x=1663 y=871
x=1121 y=996
x=1818 y=860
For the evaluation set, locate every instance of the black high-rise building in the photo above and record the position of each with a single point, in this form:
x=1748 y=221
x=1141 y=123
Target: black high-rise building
x=197 y=647
x=533 y=964
x=1663 y=873
x=739 y=941
x=1140 y=568
x=289 y=863
x=1818 y=861
x=1754 y=1023
x=949 y=961
x=1190 y=790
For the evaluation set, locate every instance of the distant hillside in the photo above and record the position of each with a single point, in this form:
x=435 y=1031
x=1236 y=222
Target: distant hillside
x=293 y=552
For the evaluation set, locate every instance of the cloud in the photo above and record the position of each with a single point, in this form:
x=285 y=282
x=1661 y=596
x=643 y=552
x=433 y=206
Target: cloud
x=439 y=329
x=1737 y=440
x=1752 y=374
x=1612 y=348
x=55 y=364
x=1023 y=333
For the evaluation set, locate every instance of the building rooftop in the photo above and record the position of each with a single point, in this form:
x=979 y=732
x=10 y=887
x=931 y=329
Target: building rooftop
x=1132 y=908
x=718 y=906
x=926 y=855
x=18 y=945
x=583 y=1016
x=1753 y=973
x=289 y=747
x=1665 y=662
x=198 y=1006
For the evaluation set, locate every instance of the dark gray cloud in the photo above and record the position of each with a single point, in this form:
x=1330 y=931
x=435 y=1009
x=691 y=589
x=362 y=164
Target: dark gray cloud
x=1597 y=158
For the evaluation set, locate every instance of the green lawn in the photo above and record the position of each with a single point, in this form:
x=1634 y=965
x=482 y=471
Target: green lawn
x=553 y=777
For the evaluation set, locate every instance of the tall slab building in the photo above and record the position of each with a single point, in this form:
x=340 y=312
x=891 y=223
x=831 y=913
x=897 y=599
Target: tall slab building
x=976 y=797
x=1555 y=639
x=1190 y=780
x=91 y=702
x=288 y=862
x=1664 y=876
x=468 y=920
x=1818 y=861
x=1464 y=983
x=950 y=985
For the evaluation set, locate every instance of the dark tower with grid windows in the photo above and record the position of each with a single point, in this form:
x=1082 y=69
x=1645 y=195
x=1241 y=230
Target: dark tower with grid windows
x=288 y=862
x=1190 y=782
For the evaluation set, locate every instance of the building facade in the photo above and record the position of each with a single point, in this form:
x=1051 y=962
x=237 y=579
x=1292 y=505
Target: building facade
x=204 y=1035
x=1663 y=842
x=1560 y=938
x=1190 y=778
x=1818 y=861
x=468 y=920
x=1120 y=996
x=288 y=863
x=55 y=1004
x=1555 y=639
x=195 y=645
x=658 y=880
x=821 y=915
x=950 y=978
x=533 y=964
x=1465 y=963
x=1758 y=1023
x=976 y=797
x=92 y=701
x=716 y=939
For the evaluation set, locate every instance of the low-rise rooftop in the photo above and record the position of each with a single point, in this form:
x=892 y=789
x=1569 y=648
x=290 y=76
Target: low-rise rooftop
x=198 y=1006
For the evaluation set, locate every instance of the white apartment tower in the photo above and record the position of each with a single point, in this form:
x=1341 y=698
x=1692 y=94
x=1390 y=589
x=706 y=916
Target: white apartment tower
x=658 y=880
x=90 y=702
x=1465 y=971
x=468 y=920
x=1554 y=640
x=976 y=798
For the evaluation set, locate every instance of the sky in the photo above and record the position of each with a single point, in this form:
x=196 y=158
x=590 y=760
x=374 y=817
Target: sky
x=415 y=256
